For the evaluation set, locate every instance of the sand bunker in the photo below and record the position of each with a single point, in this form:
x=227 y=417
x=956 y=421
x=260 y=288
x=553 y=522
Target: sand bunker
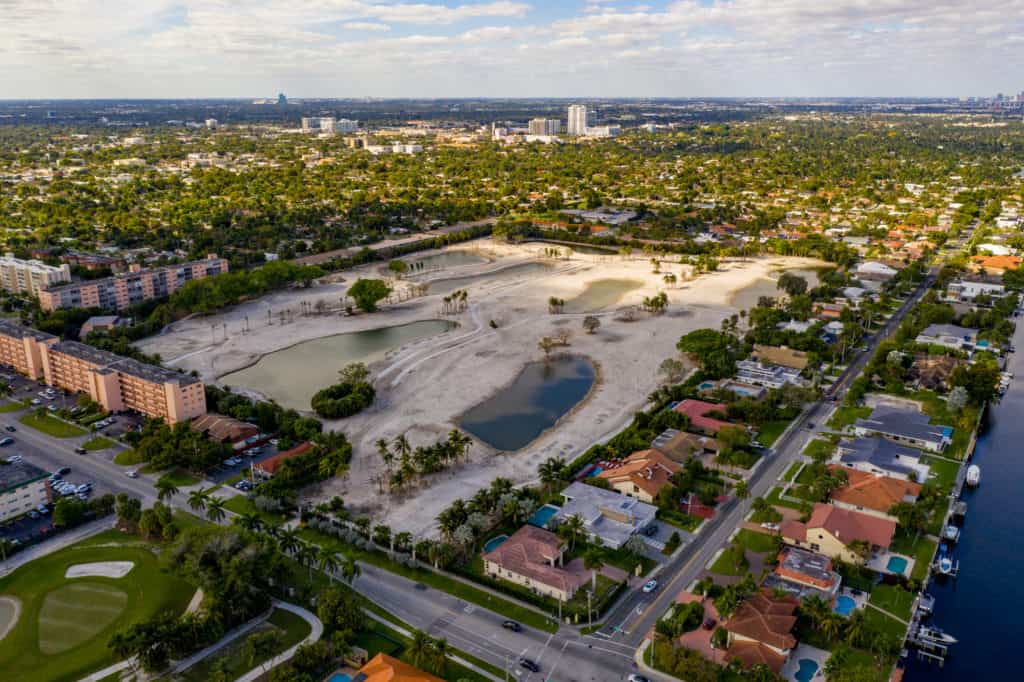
x=10 y=610
x=103 y=569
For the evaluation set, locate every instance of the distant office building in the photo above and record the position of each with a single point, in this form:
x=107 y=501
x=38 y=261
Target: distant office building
x=328 y=124
x=577 y=121
x=117 y=383
x=30 y=276
x=344 y=125
x=127 y=289
x=211 y=123
x=545 y=126
x=604 y=131
x=281 y=99
x=399 y=148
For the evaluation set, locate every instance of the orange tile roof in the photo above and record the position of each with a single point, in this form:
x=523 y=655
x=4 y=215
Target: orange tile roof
x=998 y=263
x=867 y=490
x=271 y=464
x=846 y=526
x=384 y=668
x=696 y=409
x=765 y=618
x=529 y=552
x=649 y=470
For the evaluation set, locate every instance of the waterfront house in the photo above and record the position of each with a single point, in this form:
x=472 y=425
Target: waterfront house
x=697 y=411
x=767 y=375
x=803 y=573
x=761 y=631
x=606 y=515
x=874 y=271
x=933 y=371
x=680 y=446
x=832 y=531
x=641 y=475
x=905 y=426
x=780 y=355
x=873 y=494
x=532 y=557
x=949 y=336
x=883 y=458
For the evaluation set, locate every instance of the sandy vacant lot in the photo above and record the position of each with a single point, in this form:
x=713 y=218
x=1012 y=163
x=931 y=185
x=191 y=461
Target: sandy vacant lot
x=424 y=386
x=104 y=569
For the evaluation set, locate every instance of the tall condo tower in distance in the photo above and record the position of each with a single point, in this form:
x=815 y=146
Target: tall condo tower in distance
x=577 y=119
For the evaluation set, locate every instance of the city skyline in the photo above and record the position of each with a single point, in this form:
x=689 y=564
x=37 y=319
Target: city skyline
x=505 y=48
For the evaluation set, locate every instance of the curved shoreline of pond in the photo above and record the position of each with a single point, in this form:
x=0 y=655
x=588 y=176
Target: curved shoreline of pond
x=580 y=404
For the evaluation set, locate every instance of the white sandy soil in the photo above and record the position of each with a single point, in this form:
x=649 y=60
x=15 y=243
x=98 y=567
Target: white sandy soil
x=104 y=569
x=425 y=386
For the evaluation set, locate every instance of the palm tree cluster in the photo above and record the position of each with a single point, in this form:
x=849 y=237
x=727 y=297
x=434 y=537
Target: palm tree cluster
x=466 y=522
x=429 y=654
x=202 y=500
x=455 y=302
x=556 y=305
x=414 y=463
x=854 y=630
x=656 y=304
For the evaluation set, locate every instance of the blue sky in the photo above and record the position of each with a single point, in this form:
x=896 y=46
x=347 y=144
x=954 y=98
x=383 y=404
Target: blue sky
x=510 y=48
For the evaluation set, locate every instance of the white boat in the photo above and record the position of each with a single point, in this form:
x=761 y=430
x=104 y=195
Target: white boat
x=945 y=565
x=951 y=533
x=935 y=635
x=973 y=475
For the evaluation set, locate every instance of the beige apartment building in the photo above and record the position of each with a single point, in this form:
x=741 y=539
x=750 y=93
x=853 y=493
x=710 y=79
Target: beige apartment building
x=117 y=383
x=30 y=276
x=132 y=287
x=23 y=487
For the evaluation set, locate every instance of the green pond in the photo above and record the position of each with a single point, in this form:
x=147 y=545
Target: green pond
x=746 y=298
x=601 y=294
x=292 y=375
x=448 y=259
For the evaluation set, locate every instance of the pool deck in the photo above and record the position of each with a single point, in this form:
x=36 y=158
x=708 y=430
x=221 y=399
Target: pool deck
x=859 y=599
x=802 y=651
x=880 y=563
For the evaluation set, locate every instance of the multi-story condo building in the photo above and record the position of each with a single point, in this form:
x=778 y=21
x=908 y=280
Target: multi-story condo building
x=328 y=124
x=22 y=488
x=117 y=383
x=30 y=276
x=132 y=287
x=545 y=126
x=577 y=122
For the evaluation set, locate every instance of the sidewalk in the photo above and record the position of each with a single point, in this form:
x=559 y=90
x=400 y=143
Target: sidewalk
x=56 y=543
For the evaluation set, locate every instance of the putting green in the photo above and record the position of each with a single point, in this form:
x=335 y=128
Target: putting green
x=77 y=612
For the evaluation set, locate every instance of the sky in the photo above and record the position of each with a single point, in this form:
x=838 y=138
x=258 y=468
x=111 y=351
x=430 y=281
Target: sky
x=510 y=48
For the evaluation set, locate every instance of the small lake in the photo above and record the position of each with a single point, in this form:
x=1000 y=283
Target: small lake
x=601 y=294
x=746 y=298
x=292 y=375
x=541 y=394
x=447 y=259
x=446 y=286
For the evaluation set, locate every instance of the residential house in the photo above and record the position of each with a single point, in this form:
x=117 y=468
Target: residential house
x=832 y=531
x=269 y=467
x=967 y=290
x=780 y=355
x=873 y=494
x=828 y=311
x=223 y=429
x=737 y=388
x=102 y=323
x=906 y=426
x=384 y=668
x=949 y=336
x=933 y=371
x=641 y=475
x=883 y=458
x=797 y=326
x=761 y=631
x=680 y=446
x=873 y=271
x=697 y=411
x=532 y=557
x=606 y=515
x=803 y=573
x=767 y=375
x=996 y=264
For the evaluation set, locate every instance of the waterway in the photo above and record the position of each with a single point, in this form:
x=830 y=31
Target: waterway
x=984 y=606
x=541 y=395
x=292 y=375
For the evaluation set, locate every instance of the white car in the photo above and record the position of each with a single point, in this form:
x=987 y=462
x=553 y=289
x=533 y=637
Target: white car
x=770 y=526
x=133 y=474
x=650 y=586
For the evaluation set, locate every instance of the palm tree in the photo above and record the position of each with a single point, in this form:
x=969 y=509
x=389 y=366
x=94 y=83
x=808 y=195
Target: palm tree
x=593 y=561
x=552 y=471
x=198 y=499
x=165 y=489
x=327 y=561
x=441 y=651
x=5 y=546
x=572 y=529
x=831 y=625
x=250 y=521
x=741 y=490
x=856 y=627
x=350 y=570
x=385 y=453
x=816 y=608
x=215 y=509
x=421 y=648
x=288 y=540
x=402 y=447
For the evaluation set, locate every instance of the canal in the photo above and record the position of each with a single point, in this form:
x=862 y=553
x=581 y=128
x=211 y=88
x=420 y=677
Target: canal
x=984 y=606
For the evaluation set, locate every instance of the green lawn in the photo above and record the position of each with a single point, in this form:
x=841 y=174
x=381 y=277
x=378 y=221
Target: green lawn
x=877 y=620
x=729 y=563
x=820 y=448
x=775 y=499
x=98 y=443
x=893 y=599
x=128 y=458
x=81 y=614
x=944 y=472
x=846 y=415
x=769 y=432
x=240 y=504
x=679 y=520
x=922 y=550
x=435 y=580
x=179 y=477
x=791 y=471
x=291 y=628
x=51 y=426
x=8 y=406
x=756 y=542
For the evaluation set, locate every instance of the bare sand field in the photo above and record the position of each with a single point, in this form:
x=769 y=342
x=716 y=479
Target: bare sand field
x=424 y=386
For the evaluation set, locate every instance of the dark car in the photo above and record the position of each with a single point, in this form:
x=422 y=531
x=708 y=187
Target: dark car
x=529 y=665
x=80 y=451
x=6 y=441
x=63 y=471
x=10 y=428
x=511 y=625
x=710 y=623
x=651 y=530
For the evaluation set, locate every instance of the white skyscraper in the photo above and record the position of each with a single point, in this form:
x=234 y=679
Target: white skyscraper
x=577 y=119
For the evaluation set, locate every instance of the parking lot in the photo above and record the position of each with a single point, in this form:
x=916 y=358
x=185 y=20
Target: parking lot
x=224 y=471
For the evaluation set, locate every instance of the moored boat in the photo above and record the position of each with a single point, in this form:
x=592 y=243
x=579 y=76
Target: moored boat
x=973 y=475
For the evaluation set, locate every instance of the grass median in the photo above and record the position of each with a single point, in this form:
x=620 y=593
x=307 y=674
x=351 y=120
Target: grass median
x=51 y=426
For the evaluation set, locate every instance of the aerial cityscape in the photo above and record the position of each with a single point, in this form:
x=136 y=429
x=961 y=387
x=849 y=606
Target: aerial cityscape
x=487 y=341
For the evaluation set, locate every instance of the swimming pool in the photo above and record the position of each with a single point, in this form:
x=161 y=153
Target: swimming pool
x=541 y=517
x=896 y=564
x=807 y=670
x=494 y=543
x=340 y=677
x=706 y=385
x=596 y=471
x=844 y=605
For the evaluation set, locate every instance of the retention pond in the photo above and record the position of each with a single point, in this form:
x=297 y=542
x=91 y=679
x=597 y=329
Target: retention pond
x=541 y=395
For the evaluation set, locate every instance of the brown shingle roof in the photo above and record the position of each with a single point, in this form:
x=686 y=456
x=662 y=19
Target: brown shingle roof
x=780 y=355
x=765 y=618
x=529 y=552
x=649 y=470
x=845 y=525
x=223 y=429
x=867 y=490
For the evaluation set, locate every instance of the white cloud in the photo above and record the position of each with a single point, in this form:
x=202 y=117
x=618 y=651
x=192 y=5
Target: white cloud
x=366 y=26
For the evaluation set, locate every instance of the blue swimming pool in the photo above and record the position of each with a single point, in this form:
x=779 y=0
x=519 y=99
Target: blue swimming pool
x=340 y=677
x=494 y=543
x=706 y=385
x=541 y=517
x=596 y=471
x=896 y=564
x=844 y=605
x=807 y=670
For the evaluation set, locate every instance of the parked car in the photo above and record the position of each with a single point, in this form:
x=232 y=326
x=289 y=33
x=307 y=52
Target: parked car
x=10 y=428
x=63 y=471
x=511 y=625
x=767 y=525
x=651 y=530
x=133 y=474
x=5 y=441
x=650 y=586
x=80 y=451
x=637 y=678
x=529 y=665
